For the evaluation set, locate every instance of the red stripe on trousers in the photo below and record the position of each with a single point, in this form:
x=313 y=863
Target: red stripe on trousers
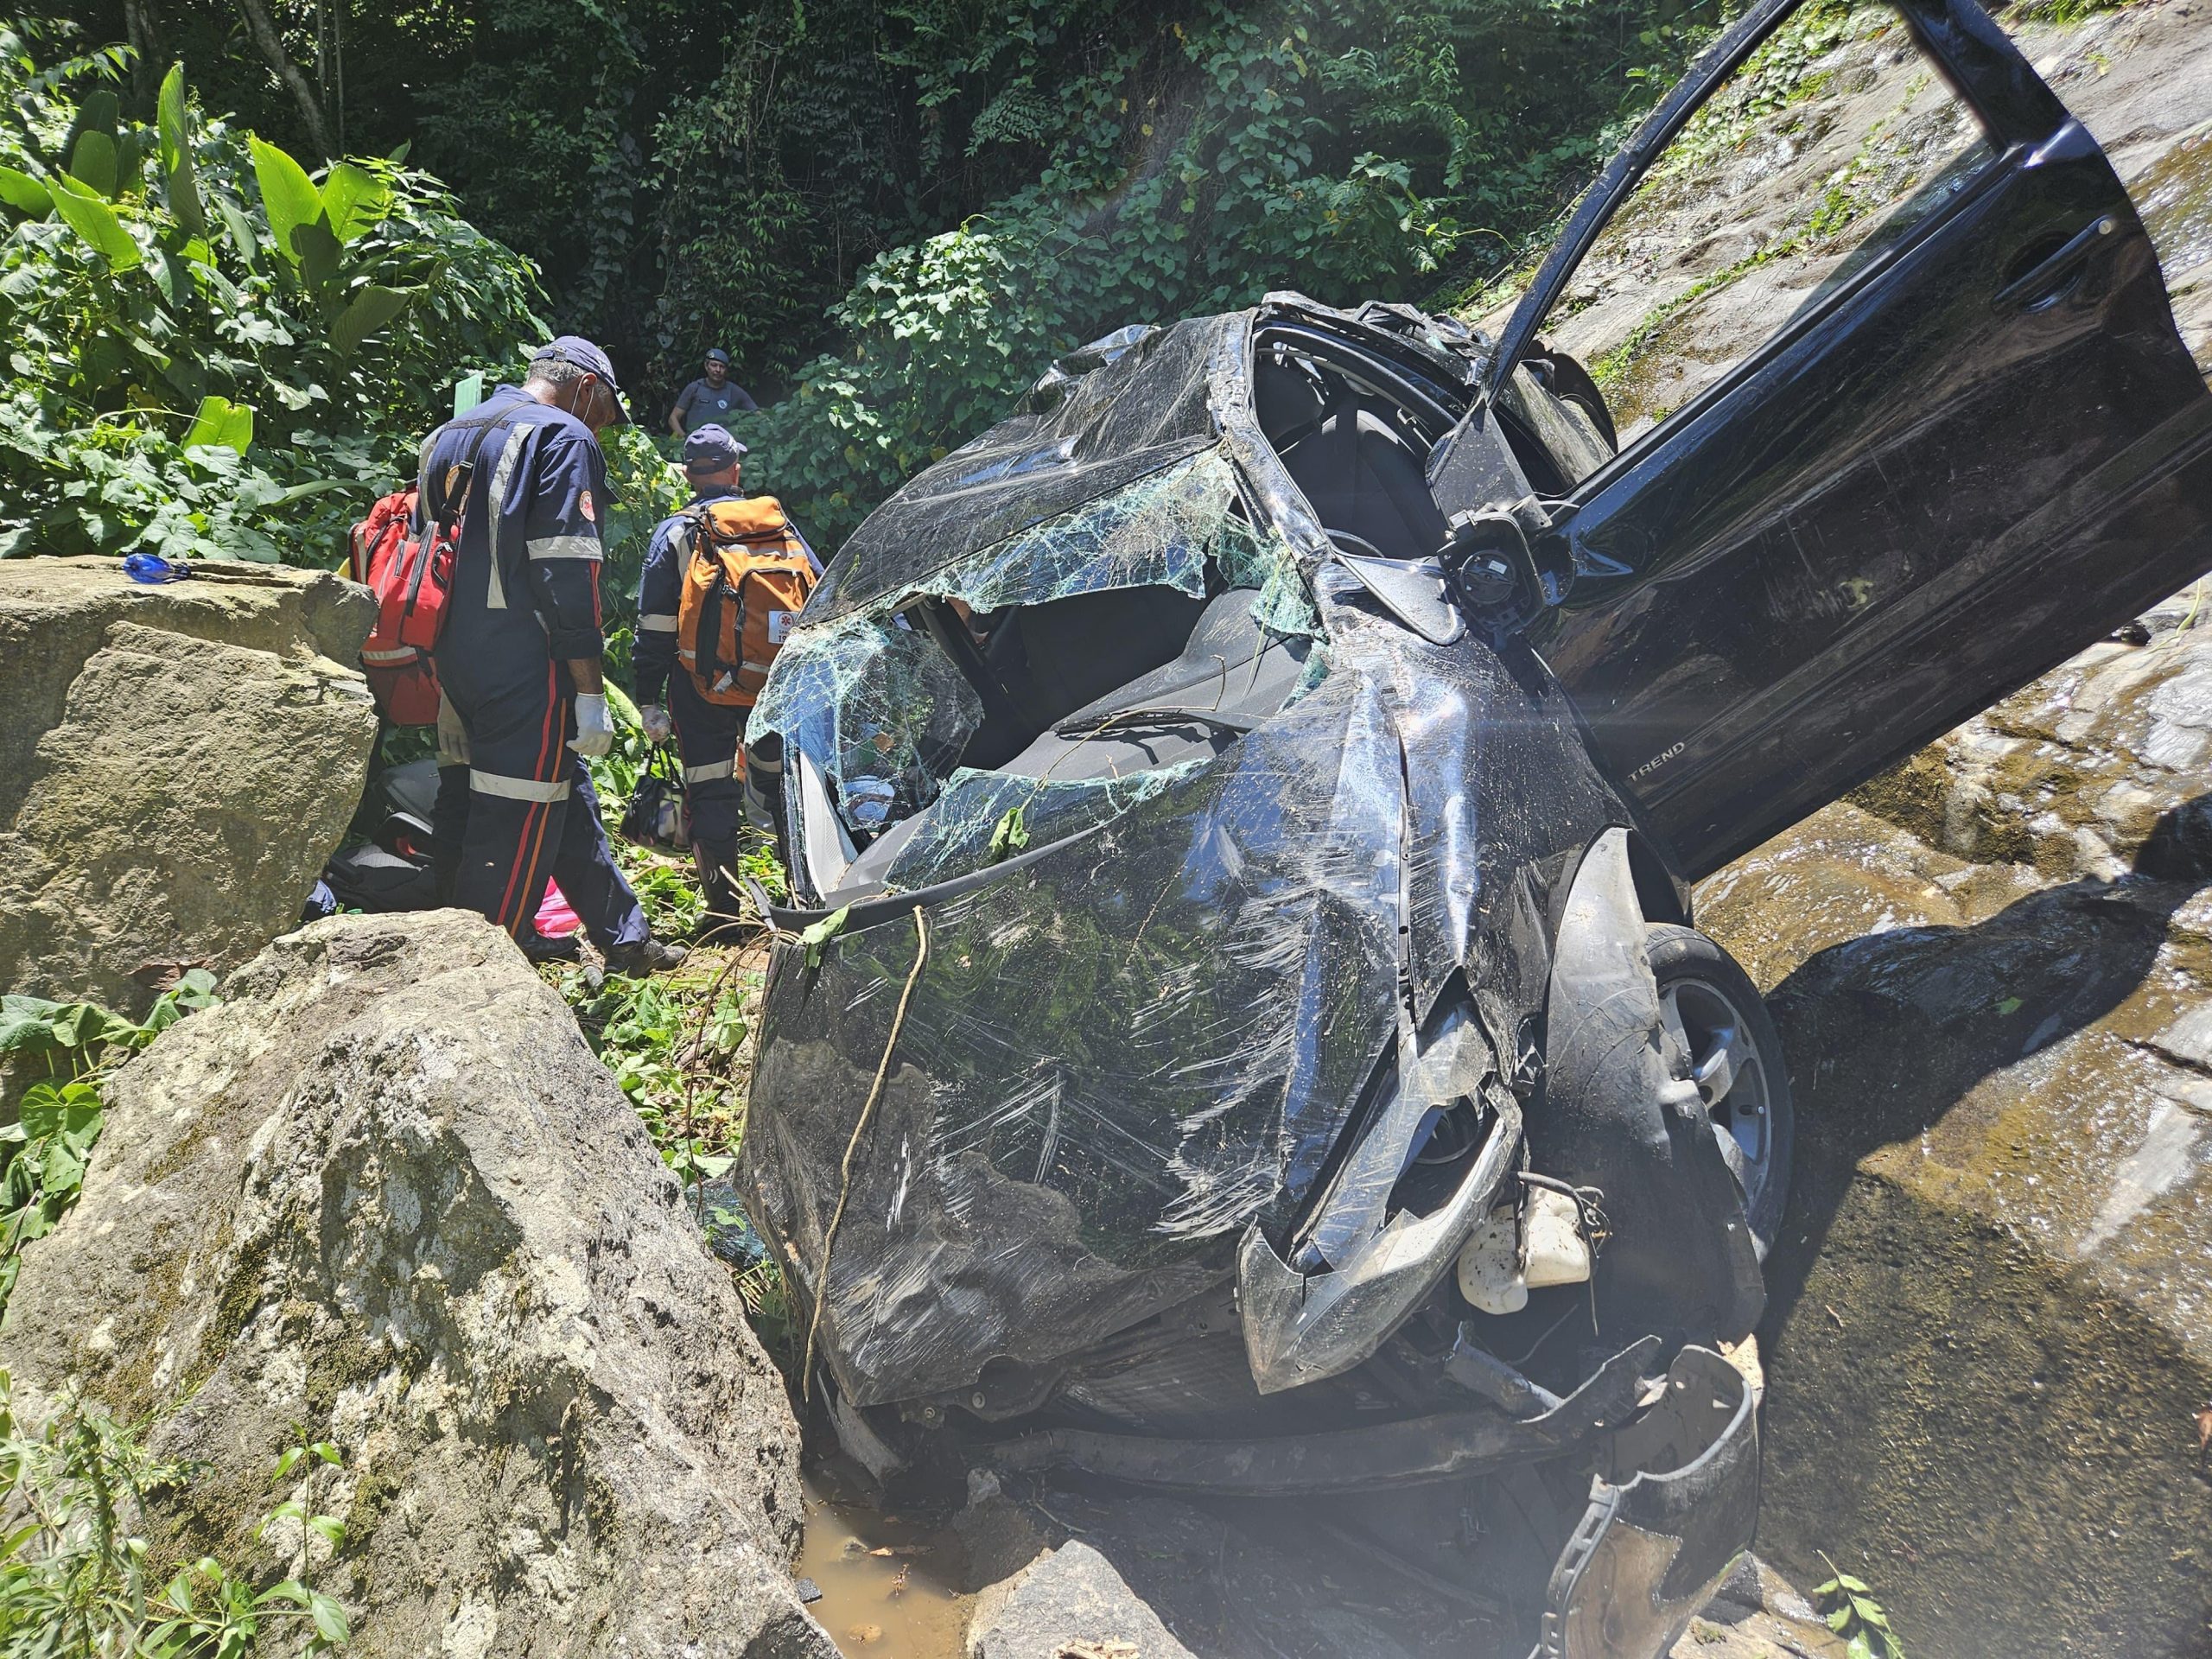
x=529 y=845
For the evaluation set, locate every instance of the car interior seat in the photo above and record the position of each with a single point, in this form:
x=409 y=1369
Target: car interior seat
x=1366 y=478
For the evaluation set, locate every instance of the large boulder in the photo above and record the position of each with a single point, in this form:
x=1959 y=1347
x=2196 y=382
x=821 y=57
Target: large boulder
x=176 y=762
x=384 y=1192
x=1988 y=1335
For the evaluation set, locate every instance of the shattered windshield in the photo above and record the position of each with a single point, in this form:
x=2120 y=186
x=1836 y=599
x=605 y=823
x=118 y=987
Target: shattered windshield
x=1163 y=568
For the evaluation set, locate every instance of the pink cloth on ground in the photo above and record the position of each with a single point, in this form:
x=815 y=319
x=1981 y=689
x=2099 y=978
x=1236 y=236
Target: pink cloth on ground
x=554 y=919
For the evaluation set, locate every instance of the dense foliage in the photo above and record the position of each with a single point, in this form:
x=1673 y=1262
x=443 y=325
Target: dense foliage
x=896 y=212
x=211 y=352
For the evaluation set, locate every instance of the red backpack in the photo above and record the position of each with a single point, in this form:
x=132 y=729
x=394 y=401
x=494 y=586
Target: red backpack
x=408 y=563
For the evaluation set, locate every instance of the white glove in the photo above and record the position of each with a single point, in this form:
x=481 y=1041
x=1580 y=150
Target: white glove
x=654 y=719
x=595 y=731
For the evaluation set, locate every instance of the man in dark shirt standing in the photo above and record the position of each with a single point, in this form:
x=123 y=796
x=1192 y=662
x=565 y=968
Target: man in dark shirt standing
x=518 y=661
x=712 y=398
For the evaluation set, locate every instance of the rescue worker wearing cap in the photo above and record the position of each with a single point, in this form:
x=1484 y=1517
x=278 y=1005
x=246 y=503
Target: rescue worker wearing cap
x=712 y=398
x=721 y=785
x=519 y=658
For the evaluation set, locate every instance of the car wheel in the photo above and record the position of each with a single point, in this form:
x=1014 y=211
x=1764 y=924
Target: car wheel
x=1709 y=1005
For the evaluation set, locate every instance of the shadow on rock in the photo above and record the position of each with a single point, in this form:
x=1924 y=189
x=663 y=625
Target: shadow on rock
x=1985 y=1336
x=1885 y=1034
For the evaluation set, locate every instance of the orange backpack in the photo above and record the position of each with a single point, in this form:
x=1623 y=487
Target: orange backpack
x=745 y=578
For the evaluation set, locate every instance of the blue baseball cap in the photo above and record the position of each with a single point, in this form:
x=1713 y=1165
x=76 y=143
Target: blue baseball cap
x=710 y=448
x=574 y=349
x=715 y=354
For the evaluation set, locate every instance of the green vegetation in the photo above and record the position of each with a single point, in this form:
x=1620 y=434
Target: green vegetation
x=45 y=1152
x=212 y=354
x=896 y=213
x=78 y=1578
x=1854 y=1614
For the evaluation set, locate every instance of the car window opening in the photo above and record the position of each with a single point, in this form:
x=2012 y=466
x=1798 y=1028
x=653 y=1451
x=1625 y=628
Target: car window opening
x=1355 y=440
x=1664 y=328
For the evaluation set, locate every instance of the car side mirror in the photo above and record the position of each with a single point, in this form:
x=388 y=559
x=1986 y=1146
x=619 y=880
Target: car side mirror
x=1489 y=562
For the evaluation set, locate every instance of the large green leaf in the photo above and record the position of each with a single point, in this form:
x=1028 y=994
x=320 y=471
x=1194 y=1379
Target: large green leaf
x=372 y=308
x=93 y=219
x=221 y=424
x=320 y=255
x=354 y=198
x=243 y=237
x=287 y=196
x=92 y=161
x=24 y=193
x=178 y=175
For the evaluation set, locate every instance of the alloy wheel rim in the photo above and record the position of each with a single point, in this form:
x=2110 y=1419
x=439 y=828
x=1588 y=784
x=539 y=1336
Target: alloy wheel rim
x=1731 y=1075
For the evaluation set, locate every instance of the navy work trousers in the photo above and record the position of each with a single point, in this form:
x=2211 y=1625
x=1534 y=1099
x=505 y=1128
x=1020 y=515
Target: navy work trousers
x=707 y=738
x=532 y=813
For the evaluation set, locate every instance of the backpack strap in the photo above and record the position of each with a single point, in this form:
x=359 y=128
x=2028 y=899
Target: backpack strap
x=483 y=426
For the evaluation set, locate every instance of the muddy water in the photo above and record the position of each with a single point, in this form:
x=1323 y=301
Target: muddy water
x=888 y=1581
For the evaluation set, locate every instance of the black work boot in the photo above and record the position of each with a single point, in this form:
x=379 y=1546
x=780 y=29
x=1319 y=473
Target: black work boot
x=538 y=947
x=712 y=865
x=645 y=957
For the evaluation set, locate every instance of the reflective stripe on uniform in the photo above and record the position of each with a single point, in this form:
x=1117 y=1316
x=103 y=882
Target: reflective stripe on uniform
x=754 y=763
x=517 y=789
x=405 y=654
x=657 y=622
x=563 y=547
x=495 y=592
x=707 y=774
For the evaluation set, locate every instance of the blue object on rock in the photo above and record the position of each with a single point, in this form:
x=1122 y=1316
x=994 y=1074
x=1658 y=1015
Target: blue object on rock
x=153 y=567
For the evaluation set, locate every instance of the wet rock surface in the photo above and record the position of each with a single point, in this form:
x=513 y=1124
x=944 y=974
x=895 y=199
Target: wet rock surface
x=2093 y=771
x=1069 y=1601
x=1988 y=1333
x=175 y=764
x=385 y=1192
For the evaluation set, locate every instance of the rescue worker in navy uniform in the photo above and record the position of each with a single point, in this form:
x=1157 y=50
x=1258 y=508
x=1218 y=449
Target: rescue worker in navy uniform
x=719 y=786
x=519 y=658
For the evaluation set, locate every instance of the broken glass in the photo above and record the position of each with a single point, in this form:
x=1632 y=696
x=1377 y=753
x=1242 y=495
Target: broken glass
x=881 y=708
x=976 y=808
x=887 y=714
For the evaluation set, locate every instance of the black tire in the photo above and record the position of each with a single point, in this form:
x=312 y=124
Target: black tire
x=1706 y=990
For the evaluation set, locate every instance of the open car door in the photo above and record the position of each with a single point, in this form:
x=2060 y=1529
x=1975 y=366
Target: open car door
x=1977 y=445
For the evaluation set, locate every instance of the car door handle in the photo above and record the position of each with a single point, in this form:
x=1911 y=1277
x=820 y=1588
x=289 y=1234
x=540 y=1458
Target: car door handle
x=2049 y=274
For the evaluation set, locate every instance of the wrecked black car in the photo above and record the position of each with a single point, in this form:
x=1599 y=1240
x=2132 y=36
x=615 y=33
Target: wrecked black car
x=1250 y=1033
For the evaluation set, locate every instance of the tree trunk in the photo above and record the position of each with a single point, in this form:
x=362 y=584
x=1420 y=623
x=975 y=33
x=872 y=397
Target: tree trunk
x=146 y=60
x=270 y=44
